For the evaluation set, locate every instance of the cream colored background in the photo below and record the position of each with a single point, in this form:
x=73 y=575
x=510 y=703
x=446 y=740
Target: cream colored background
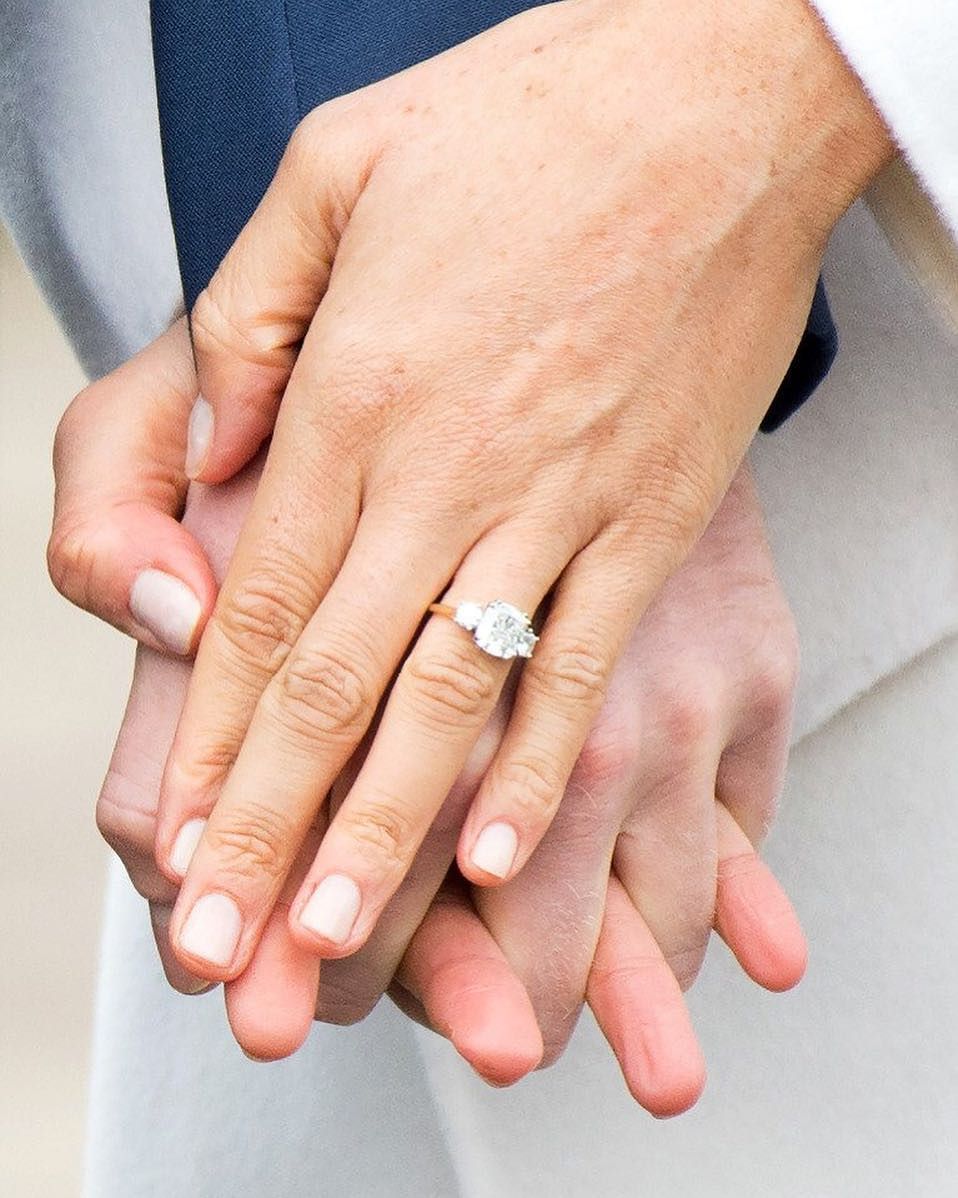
x=64 y=679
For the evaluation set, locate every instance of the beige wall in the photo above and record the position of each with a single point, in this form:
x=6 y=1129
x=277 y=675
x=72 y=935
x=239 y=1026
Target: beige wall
x=63 y=683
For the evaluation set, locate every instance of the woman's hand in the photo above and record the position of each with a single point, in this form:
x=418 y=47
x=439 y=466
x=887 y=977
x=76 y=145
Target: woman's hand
x=560 y=271
x=716 y=649
x=117 y=548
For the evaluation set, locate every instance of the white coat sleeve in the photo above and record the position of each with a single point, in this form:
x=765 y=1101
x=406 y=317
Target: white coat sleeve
x=906 y=54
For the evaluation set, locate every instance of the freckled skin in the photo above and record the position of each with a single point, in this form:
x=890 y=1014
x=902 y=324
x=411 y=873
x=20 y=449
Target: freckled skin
x=512 y=381
x=491 y=985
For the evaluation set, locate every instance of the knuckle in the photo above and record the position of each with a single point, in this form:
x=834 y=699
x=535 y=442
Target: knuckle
x=687 y=717
x=115 y=825
x=216 y=330
x=636 y=973
x=382 y=831
x=533 y=786
x=373 y=386
x=129 y=832
x=71 y=558
x=672 y=501
x=197 y=769
x=307 y=140
x=611 y=751
x=251 y=842
x=260 y=620
x=570 y=670
x=324 y=145
x=449 y=690
x=776 y=677
x=66 y=431
x=321 y=692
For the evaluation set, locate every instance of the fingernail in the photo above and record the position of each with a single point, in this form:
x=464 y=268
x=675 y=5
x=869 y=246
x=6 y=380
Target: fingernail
x=185 y=844
x=167 y=607
x=198 y=436
x=495 y=850
x=332 y=908
x=212 y=930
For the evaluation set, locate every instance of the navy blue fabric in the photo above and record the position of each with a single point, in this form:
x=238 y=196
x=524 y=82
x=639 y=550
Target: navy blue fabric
x=234 y=77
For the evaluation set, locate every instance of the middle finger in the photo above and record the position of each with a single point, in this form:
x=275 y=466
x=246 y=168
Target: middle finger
x=304 y=727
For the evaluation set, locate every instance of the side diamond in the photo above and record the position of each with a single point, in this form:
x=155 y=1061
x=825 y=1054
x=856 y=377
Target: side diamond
x=468 y=615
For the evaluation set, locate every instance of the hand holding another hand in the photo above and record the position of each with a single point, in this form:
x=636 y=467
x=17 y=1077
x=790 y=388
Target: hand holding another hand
x=698 y=706
x=539 y=291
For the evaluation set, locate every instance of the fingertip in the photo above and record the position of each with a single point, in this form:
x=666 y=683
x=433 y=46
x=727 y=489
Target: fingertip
x=180 y=978
x=490 y=858
x=502 y=1047
x=221 y=442
x=271 y=1005
x=785 y=965
x=167 y=609
x=664 y=1068
x=755 y=918
x=324 y=918
x=675 y=1099
x=199 y=438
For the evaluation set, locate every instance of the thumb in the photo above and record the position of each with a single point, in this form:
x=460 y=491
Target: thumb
x=117 y=549
x=248 y=323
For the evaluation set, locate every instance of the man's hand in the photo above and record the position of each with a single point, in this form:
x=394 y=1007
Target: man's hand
x=539 y=292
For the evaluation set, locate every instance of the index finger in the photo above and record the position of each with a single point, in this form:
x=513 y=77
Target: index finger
x=249 y=321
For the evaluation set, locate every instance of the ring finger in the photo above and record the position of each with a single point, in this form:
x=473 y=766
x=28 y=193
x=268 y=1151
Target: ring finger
x=441 y=700
x=309 y=720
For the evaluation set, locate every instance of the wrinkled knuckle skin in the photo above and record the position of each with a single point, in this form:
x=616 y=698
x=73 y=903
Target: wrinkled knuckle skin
x=114 y=827
x=381 y=832
x=215 y=332
x=322 y=694
x=250 y=843
x=70 y=561
x=569 y=671
x=130 y=833
x=633 y=974
x=259 y=623
x=531 y=787
x=453 y=690
x=611 y=752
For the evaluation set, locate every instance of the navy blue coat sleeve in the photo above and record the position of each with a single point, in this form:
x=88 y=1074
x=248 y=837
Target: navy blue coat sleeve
x=234 y=78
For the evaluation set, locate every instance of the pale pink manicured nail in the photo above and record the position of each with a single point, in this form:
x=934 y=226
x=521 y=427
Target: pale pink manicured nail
x=212 y=929
x=495 y=850
x=185 y=844
x=198 y=436
x=167 y=607
x=332 y=908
